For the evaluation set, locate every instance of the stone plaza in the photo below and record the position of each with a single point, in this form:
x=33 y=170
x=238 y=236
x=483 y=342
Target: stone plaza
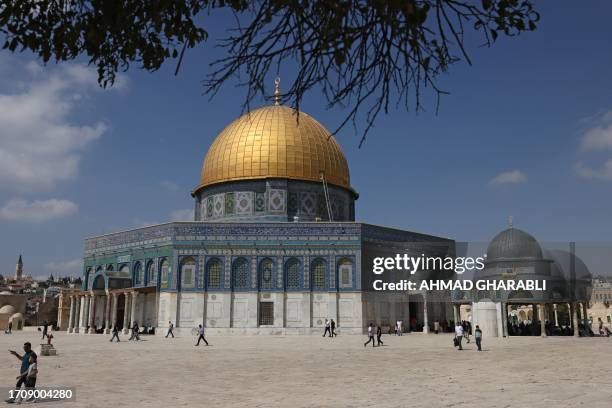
x=416 y=370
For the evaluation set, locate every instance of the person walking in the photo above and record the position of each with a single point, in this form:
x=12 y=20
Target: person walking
x=135 y=332
x=201 y=335
x=30 y=379
x=10 y=327
x=115 y=334
x=458 y=335
x=398 y=328
x=327 y=328
x=25 y=364
x=45 y=328
x=370 y=336
x=466 y=331
x=379 y=335
x=478 y=337
x=333 y=328
x=170 y=328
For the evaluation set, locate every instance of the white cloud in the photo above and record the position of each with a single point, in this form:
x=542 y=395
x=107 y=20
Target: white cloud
x=597 y=138
x=73 y=267
x=40 y=144
x=169 y=185
x=509 y=177
x=602 y=173
x=36 y=211
x=182 y=215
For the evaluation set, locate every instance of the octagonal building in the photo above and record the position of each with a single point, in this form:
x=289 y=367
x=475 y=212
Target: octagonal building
x=274 y=246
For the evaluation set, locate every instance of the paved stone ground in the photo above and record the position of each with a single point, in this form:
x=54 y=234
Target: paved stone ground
x=309 y=371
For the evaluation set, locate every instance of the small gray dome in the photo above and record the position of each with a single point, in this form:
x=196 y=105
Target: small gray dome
x=513 y=244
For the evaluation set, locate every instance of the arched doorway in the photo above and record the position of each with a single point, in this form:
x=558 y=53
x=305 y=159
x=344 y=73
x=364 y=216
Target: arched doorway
x=121 y=311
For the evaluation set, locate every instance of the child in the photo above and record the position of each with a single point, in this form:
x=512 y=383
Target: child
x=478 y=335
x=30 y=377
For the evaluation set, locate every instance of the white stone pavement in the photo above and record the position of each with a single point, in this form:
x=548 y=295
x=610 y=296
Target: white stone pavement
x=416 y=370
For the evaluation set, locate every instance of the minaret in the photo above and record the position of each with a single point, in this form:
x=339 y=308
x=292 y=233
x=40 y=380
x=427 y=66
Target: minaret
x=19 y=269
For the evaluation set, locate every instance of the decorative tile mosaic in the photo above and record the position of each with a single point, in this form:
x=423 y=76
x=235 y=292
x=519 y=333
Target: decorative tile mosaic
x=229 y=203
x=209 y=207
x=308 y=203
x=260 y=202
x=276 y=200
x=219 y=205
x=203 y=208
x=321 y=206
x=244 y=202
x=292 y=202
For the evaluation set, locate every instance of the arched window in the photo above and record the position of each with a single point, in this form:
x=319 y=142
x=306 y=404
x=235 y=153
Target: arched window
x=150 y=276
x=138 y=273
x=188 y=269
x=164 y=269
x=318 y=274
x=213 y=274
x=240 y=272
x=124 y=271
x=345 y=273
x=266 y=268
x=292 y=273
x=109 y=268
x=98 y=283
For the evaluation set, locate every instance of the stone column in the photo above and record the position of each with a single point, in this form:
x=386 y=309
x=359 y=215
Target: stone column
x=133 y=311
x=504 y=322
x=115 y=299
x=143 y=312
x=425 y=315
x=126 y=313
x=556 y=315
x=77 y=314
x=71 y=315
x=573 y=306
x=585 y=314
x=542 y=321
x=92 y=314
x=85 y=313
x=107 y=305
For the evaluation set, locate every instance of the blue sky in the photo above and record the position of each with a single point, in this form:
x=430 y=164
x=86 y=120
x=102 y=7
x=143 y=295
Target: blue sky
x=526 y=131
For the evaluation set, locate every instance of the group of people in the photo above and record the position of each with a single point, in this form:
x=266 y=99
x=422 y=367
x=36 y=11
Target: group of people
x=330 y=328
x=134 y=333
x=603 y=330
x=27 y=372
x=464 y=329
x=371 y=332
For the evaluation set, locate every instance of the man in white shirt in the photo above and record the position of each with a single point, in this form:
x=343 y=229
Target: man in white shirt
x=370 y=336
x=201 y=335
x=459 y=334
x=327 y=328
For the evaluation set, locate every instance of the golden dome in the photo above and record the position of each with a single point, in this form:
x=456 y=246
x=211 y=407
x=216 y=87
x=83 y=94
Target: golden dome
x=269 y=143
